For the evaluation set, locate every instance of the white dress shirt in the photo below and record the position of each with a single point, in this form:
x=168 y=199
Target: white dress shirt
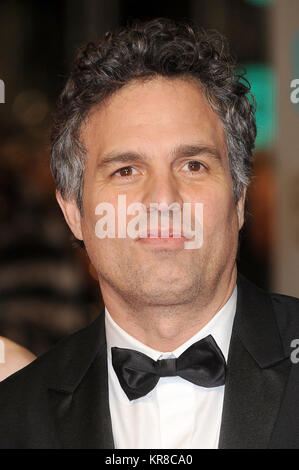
x=176 y=414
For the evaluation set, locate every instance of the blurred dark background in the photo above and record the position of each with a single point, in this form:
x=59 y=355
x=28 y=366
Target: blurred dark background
x=47 y=289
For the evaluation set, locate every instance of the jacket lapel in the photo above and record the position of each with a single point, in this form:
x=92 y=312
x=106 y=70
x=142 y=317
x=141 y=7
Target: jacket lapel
x=257 y=370
x=78 y=392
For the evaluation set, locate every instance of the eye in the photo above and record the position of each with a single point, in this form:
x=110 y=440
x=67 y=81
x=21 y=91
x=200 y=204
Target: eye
x=193 y=166
x=125 y=172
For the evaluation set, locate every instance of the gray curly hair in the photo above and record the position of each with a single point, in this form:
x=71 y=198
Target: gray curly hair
x=159 y=47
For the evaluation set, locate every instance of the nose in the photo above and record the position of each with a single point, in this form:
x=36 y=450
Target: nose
x=162 y=189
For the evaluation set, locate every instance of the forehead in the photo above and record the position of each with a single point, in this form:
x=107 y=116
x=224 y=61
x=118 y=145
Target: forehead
x=153 y=115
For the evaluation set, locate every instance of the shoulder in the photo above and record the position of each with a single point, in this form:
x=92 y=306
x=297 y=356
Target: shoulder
x=59 y=362
x=286 y=310
x=280 y=302
x=283 y=309
x=285 y=302
x=13 y=357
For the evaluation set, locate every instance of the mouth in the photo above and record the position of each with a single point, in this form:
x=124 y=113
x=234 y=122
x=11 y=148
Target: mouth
x=170 y=240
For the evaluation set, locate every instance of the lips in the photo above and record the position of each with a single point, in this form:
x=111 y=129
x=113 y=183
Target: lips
x=162 y=234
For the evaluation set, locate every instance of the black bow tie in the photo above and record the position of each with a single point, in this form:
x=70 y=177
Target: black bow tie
x=202 y=364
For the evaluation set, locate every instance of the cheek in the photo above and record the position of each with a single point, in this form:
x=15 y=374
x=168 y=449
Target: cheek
x=89 y=221
x=95 y=246
x=102 y=250
x=94 y=200
x=220 y=217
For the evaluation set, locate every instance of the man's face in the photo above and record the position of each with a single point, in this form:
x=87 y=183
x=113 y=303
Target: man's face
x=159 y=141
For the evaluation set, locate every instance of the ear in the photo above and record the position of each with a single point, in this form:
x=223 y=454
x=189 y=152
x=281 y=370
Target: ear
x=241 y=208
x=71 y=214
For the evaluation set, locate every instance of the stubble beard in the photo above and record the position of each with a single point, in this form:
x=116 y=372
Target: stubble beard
x=169 y=285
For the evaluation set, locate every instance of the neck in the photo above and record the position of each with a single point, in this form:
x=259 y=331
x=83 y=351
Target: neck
x=166 y=327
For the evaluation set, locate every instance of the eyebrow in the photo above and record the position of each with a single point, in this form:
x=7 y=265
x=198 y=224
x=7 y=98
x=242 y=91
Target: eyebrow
x=123 y=157
x=183 y=150
x=193 y=150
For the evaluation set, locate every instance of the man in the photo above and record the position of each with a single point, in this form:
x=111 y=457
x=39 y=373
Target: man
x=187 y=353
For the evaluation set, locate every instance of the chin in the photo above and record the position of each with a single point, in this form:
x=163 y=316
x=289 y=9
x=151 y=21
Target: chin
x=170 y=290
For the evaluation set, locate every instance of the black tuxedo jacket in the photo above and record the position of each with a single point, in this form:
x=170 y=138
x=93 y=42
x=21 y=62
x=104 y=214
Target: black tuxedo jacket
x=61 y=399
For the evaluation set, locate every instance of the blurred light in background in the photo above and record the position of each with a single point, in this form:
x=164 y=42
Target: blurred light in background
x=30 y=107
x=263 y=87
x=261 y=3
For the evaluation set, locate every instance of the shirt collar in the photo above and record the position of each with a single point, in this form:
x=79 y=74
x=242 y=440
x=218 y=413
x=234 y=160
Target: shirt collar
x=220 y=327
